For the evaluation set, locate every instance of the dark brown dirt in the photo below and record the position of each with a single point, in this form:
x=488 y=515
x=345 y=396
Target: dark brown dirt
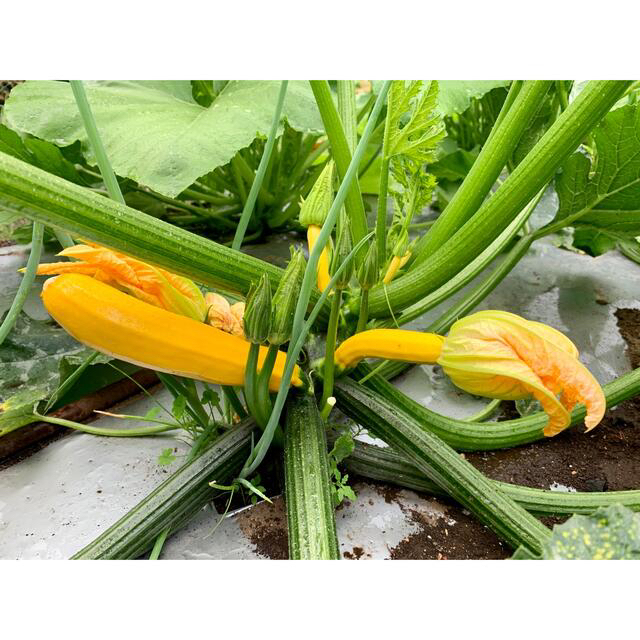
x=265 y=525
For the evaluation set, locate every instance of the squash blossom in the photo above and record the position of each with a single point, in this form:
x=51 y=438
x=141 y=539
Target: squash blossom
x=150 y=284
x=495 y=354
x=501 y=355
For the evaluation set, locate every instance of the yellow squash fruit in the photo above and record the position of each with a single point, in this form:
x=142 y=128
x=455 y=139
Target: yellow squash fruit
x=122 y=326
x=390 y=344
x=323 y=277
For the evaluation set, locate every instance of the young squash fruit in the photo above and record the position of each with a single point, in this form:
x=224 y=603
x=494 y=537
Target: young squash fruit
x=120 y=325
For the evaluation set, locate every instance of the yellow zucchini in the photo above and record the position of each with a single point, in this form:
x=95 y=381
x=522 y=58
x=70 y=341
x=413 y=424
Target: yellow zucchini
x=120 y=325
x=323 y=277
x=391 y=344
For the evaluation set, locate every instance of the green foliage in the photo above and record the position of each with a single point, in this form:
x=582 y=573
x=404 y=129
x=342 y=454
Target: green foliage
x=39 y=153
x=605 y=194
x=340 y=490
x=155 y=132
x=611 y=533
x=166 y=457
x=37 y=357
x=456 y=95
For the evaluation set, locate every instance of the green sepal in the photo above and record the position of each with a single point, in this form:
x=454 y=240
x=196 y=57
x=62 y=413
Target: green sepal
x=342 y=250
x=368 y=271
x=286 y=298
x=257 y=315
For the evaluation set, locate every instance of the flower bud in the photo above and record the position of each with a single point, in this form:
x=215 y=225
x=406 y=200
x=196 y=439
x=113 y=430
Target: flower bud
x=286 y=299
x=257 y=315
x=341 y=253
x=368 y=270
x=314 y=210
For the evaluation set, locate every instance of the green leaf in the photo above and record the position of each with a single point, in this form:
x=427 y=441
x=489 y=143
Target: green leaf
x=342 y=448
x=611 y=533
x=155 y=132
x=605 y=196
x=415 y=127
x=166 y=457
x=179 y=407
x=36 y=357
x=593 y=241
x=456 y=95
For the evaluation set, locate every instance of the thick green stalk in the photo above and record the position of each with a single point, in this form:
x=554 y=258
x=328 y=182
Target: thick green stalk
x=469 y=272
x=514 y=90
x=384 y=464
x=29 y=276
x=487 y=168
x=108 y=175
x=251 y=385
x=59 y=203
x=310 y=516
x=348 y=112
x=484 y=436
x=342 y=157
x=441 y=464
x=537 y=168
x=247 y=211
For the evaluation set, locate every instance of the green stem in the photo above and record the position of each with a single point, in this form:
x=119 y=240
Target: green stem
x=234 y=400
x=514 y=90
x=342 y=157
x=484 y=436
x=108 y=175
x=29 y=276
x=194 y=194
x=371 y=461
x=262 y=396
x=363 y=315
x=251 y=384
x=347 y=110
x=470 y=271
x=537 y=168
x=383 y=189
x=486 y=412
x=262 y=167
x=330 y=348
x=158 y=544
x=486 y=169
x=98 y=431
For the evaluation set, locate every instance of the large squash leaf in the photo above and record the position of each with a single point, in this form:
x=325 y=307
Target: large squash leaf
x=155 y=132
x=605 y=196
x=456 y=95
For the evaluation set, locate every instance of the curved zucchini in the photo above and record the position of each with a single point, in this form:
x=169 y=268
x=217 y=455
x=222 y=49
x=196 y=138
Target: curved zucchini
x=376 y=463
x=441 y=464
x=310 y=513
x=175 y=501
x=120 y=325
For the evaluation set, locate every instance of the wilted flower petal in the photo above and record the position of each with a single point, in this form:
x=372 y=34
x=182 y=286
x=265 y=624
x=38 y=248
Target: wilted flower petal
x=501 y=355
x=150 y=284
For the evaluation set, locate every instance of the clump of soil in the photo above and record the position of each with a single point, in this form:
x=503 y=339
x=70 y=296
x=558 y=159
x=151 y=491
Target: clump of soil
x=265 y=525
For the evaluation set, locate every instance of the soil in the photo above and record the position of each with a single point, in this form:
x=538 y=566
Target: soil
x=265 y=525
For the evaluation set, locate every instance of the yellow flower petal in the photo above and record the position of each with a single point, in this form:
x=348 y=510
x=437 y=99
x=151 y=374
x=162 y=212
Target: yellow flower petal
x=501 y=355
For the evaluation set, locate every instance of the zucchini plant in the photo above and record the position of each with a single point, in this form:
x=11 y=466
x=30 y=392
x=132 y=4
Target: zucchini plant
x=157 y=277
